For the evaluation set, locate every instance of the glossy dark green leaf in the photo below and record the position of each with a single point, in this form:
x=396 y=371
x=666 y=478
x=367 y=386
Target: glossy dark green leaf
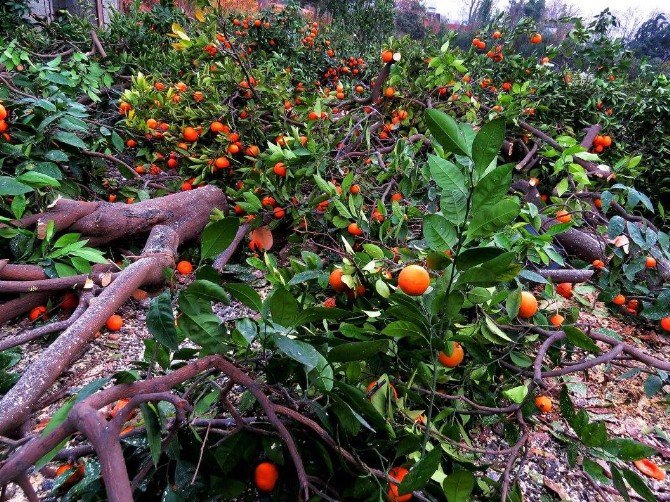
x=446 y=132
x=160 y=321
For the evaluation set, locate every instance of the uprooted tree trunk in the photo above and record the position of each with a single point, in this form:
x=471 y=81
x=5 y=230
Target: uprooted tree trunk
x=169 y=220
x=584 y=242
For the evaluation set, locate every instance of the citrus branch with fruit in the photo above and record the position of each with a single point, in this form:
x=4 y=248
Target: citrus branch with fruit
x=363 y=273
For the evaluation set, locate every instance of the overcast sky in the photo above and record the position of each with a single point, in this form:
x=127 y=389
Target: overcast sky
x=454 y=9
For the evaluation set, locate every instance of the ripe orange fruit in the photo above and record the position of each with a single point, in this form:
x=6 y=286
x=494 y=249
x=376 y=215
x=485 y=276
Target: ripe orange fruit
x=278 y=212
x=330 y=302
x=37 y=312
x=564 y=289
x=190 y=134
x=131 y=143
x=497 y=35
x=536 y=38
x=69 y=301
x=269 y=201
x=389 y=92
x=563 y=216
x=354 y=229
x=393 y=495
x=184 y=267
x=354 y=189
x=528 y=306
x=619 y=299
x=266 y=475
x=217 y=127
x=233 y=149
x=556 y=320
x=279 y=169
x=114 y=323
x=650 y=262
x=650 y=469
x=152 y=123
x=665 y=323
x=335 y=280
x=396 y=197
x=3 y=112
x=598 y=203
x=222 y=162
x=599 y=264
x=543 y=403
x=454 y=359
x=387 y=56
x=253 y=151
x=413 y=280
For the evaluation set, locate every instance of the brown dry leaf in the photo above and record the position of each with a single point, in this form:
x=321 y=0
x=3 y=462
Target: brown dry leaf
x=41 y=230
x=556 y=488
x=140 y=295
x=105 y=279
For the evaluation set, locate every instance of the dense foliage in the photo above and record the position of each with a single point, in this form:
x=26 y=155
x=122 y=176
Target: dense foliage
x=345 y=186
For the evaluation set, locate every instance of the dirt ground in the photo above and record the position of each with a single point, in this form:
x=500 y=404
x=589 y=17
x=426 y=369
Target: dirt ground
x=545 y=474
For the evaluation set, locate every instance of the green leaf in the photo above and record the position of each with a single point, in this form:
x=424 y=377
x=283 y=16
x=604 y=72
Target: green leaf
x=616 y=226
x=492 y=187
x=9 y=186
x=447 y=175
x=594 y=470
x=56 y=156
x=476 y=256
x=37 y=180
x=490 y=218
x=487 y=143
x=619 y=483
x=305 y=276
x=70 y=139
x=401 y=329
x=421 y=472
x=446 y=132
x=357 y=351
x=439 y=233
x=458 y=486
x=217 y=236
x=302 y=352
x=580 y=339
x=246 y=295
x=117 y=141
x=153 y=428
x=652 y=385
x=90 y=388
x=516 y=394
x=500 y=269
x=208 y=291
x=638 y=484
x=629 y=449
x=513 y=302
x=160 y=321
x=283 y=307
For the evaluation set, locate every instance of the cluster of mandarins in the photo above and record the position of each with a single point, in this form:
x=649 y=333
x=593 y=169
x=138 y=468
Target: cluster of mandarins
x=601 y=142
x=3 y=123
